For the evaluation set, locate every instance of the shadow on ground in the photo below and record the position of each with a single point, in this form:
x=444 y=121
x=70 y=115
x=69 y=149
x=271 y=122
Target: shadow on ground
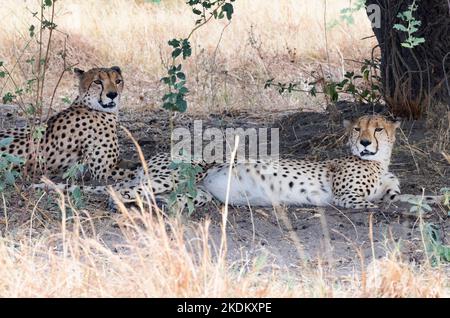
x=332 y=234
x=289 y=235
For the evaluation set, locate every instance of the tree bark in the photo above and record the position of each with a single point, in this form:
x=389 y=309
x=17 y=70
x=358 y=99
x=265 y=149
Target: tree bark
x=413 y=80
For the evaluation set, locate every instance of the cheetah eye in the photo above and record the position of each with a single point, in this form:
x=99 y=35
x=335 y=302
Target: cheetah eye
x=118 y=81
x=98 y=82
x=357 y=128
x=378 y=129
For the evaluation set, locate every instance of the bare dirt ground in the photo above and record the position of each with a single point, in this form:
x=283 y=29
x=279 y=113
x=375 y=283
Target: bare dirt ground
x=287 y=237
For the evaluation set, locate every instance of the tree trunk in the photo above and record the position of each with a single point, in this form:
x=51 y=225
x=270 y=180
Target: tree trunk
x=413 y=80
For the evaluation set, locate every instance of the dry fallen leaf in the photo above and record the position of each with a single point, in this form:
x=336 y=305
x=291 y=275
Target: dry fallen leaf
x=446 y=156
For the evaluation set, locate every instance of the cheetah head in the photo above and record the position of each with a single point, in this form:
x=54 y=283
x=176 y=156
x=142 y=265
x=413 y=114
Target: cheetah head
x=372 y=137
x=100 y=88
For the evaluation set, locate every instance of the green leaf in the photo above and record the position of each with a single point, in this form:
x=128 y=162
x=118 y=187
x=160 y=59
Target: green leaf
x=181 y=105
x=73 y=172
x=183 y=90
x=179 y=85
x=176 y=52
x=6 y=141
x=10 y=177
x=169 y=96
x=66 y=100
x=400 y=27
x=407 y=45
x=181 y=75
x=169 y=106
x=31 y=30
x=187 y=50
x=48 y=3
x=408 y=15
x=38 y=132
x=8 y=98
x=13 y=159
x=174 y=43
x=228 y=9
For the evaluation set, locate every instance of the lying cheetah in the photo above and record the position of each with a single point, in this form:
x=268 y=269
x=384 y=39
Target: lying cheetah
x=84 y=132
x=355 y=181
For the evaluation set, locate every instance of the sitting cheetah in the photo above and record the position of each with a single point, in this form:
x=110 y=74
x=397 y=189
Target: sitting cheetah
x=355 y=181
x=85 y=132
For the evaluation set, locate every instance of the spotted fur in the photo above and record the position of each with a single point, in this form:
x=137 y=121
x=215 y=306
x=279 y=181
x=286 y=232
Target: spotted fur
x=160 y=182
x=355 y=181
x=86 y=132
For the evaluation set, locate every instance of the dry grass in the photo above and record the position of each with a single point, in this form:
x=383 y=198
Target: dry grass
x=127 y=33
x=157 y=257
x=274 y=39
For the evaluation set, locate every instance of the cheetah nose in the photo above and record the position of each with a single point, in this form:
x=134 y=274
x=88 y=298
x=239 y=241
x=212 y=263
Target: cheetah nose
x=111 y=95
x=365 y=142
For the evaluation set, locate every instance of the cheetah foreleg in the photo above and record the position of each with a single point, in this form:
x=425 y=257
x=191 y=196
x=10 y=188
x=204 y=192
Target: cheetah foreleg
x=390 y=188
x=429 y=199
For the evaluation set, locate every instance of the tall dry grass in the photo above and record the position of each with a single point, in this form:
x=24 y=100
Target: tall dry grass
x=128 y=33
x=154 y=256
x=286 y=40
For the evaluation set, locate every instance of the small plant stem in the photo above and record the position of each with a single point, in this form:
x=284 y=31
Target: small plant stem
x=49 y=42
x=223 y=241
x=38 y=71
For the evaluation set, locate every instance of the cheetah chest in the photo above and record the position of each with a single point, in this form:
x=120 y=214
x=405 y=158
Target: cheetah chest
x=78 y=135
x=359 y=177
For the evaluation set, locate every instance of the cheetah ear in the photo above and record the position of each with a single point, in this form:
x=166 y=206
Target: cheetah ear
x=78 y=72
x=117 y=69
x=347 y=123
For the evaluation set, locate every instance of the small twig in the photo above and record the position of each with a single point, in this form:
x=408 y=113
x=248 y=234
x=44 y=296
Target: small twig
x=49 y=42
x=443 y=67
x=5 y=212
x=65 y=69
x=223 y=241
x=206 y=20
x=410 y=149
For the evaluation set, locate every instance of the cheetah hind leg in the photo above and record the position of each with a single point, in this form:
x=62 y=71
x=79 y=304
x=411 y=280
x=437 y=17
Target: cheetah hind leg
x=353 y=201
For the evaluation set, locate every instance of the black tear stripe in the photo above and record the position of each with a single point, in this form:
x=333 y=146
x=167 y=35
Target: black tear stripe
x=374 y=136
x=89 y=87
x=101 y=93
